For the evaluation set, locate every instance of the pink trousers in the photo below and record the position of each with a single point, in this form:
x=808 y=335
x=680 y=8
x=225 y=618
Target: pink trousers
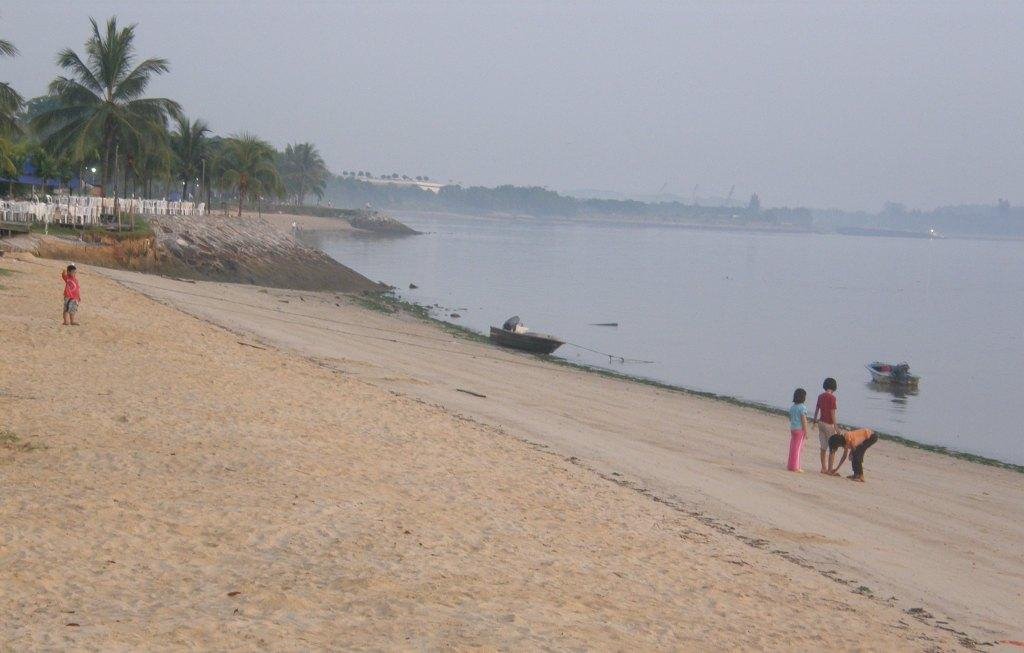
x=796 y=445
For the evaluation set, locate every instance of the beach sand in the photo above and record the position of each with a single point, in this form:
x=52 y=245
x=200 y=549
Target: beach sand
x=283 y=222
x=170 y=483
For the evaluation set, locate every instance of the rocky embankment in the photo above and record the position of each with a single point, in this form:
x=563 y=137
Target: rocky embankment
x=251 y=251
x=215 y=248
x=376 y=221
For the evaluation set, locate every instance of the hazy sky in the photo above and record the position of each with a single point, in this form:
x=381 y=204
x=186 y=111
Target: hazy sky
x=821 y=104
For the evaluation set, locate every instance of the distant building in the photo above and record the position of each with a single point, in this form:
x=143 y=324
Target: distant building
x=432 y=186
x=30 y=177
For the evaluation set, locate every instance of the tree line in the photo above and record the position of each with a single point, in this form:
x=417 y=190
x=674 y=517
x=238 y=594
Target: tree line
x=96 y=122
x=543 y=202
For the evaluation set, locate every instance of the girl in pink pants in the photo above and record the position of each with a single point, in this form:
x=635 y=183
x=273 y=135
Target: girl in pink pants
x=797 y=429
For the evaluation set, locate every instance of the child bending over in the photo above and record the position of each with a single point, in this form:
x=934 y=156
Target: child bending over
x=854 y=444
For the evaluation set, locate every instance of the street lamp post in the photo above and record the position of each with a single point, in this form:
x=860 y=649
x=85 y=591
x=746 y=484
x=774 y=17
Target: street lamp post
x=117 y=212
x=202 y=183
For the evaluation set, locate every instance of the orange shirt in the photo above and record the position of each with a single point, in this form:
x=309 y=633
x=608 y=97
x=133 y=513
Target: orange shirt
x=857 y=437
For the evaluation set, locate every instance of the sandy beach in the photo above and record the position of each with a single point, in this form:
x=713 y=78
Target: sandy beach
x=283 y=221
x=218 y=466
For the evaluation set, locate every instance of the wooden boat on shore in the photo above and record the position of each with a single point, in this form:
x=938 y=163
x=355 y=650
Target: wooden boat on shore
x=536 y=343
x=893 y=374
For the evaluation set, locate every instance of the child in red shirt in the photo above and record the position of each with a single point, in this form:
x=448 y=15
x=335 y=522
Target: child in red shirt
x=72 y=294
x=825 y=419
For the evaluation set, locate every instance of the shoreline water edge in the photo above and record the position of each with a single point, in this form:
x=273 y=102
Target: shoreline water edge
x=704 y=320
x=391 y=302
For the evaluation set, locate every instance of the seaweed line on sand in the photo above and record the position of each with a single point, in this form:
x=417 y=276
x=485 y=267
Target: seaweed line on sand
x=389 y=302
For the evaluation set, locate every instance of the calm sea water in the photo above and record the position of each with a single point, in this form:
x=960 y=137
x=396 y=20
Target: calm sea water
x=743 y=314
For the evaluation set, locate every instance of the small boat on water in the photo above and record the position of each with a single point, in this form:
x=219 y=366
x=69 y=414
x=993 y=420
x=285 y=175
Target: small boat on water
x=515 y=335
x=893 y=374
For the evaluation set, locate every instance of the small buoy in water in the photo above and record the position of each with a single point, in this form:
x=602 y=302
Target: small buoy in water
x=413 y=286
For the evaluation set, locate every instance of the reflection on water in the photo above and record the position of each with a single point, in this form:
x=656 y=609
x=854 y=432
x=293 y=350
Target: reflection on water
x=899 y=392
x=743 y=314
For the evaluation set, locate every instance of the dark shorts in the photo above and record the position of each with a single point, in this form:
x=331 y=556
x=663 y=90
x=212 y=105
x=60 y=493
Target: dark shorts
x=70 y=306
x=857 y=457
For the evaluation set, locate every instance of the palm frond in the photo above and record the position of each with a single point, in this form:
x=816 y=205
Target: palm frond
x=111 y=55
x=10 y=103
x=71 y=91
x=69 y=60
x=78 y=138
x=155 y=108
x=7 y=49
x=56 y=118
x=7 y=164
x=134 y=83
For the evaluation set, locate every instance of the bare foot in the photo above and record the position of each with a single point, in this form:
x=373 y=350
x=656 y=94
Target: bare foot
x=825 y=471
x=798 y=471
x=859 y=479
x=834 y=473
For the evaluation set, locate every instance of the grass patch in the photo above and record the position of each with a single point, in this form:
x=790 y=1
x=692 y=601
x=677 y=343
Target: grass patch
x=126 y=250
x=96 y=234
x=390 y=303
x=10 y=441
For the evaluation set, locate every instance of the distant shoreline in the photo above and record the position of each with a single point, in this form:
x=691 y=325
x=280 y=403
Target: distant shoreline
x=642 y=221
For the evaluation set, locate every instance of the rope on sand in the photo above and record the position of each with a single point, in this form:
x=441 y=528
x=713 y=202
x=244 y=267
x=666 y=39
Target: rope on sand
x=611 y=357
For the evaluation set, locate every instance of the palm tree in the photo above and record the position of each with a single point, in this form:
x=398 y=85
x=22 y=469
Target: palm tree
x=150 y=159
x=10 y=100
x=8 y=156
x=246 y=166
x=303 y=171
x=189 y=144
x=100 y=103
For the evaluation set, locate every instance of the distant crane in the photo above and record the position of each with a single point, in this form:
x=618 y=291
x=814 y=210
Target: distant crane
x=728 y=199
x=695 y=187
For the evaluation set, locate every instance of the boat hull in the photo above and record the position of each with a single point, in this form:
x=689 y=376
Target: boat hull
x=886 y=377
x=536 y=343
